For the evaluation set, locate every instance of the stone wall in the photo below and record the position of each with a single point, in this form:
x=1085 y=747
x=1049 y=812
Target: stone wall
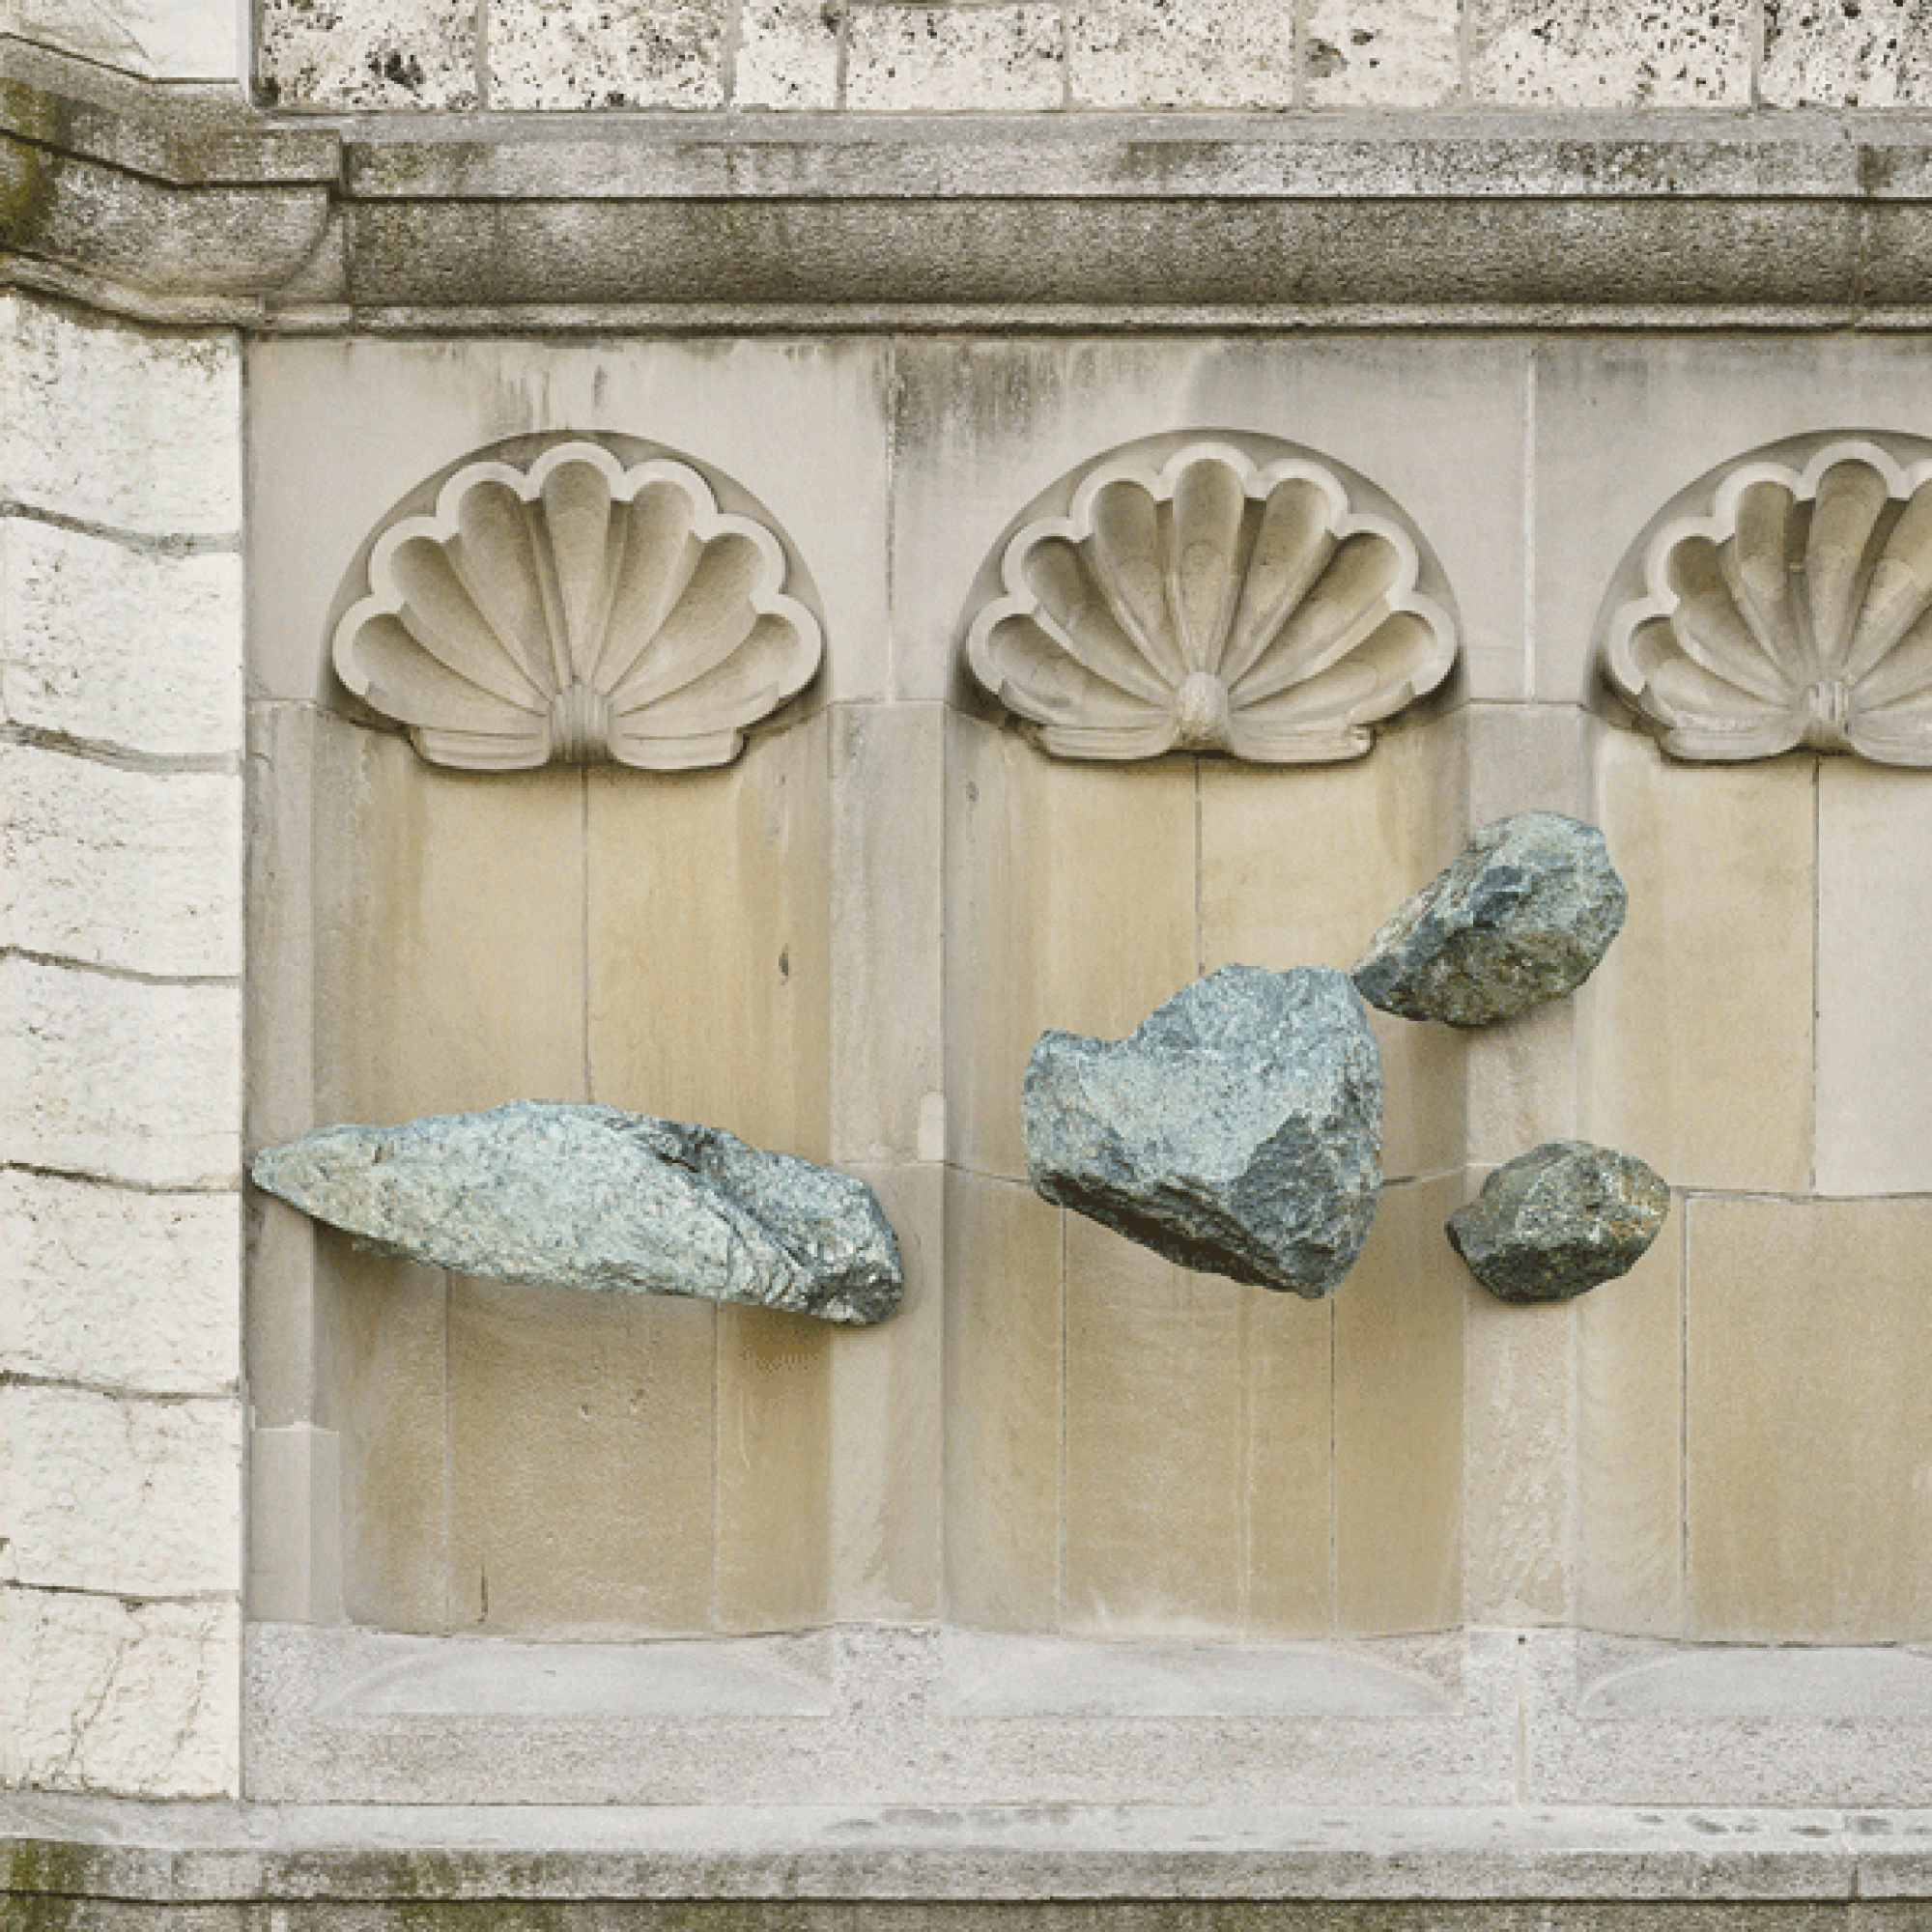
x=1045 y=55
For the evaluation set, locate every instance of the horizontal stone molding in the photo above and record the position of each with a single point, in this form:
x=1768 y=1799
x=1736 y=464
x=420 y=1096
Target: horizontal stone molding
x=181 y=203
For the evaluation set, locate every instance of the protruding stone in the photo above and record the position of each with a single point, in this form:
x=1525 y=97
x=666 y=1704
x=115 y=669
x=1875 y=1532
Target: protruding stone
x=1238 y=1130
x=1523 y=917
x=553 y=1194
x=1558 y=1220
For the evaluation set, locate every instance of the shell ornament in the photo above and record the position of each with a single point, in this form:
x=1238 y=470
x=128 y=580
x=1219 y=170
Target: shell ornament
x=1216 y=603
x=1796 y=612
x=577 y=610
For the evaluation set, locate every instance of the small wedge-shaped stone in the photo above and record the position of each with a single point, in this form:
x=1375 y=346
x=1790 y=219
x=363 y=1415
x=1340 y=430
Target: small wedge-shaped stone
x=564 y=1196
x=1522 y=915
x=1237 y=1131
x=1559 y=1220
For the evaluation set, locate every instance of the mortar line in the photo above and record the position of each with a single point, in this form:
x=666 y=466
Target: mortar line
x=123 y=757
x=118 y=1391
x=1817 y=952
x=1684 y=1419
x=1529 y=399
x=128 y=975
x=80 y=1177
x=148 y=543
x=1059 y=1553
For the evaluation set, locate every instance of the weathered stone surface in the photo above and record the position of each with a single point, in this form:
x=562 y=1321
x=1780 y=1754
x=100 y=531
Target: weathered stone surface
x=1238 y=1130
x=1523 y=917
x=1002 y=58
x=1558 y=1220
x=553 y=1194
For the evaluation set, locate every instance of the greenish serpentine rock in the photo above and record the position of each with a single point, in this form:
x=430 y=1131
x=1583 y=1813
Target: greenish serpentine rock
x=559 y=1194
x=1522 y=916
x=1238 y=1130
x=1560 y=1220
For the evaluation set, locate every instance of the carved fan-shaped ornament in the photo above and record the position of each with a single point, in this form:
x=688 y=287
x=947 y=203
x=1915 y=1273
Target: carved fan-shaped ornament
x=1794 y=611
x=577 y=610
x=1212 y=602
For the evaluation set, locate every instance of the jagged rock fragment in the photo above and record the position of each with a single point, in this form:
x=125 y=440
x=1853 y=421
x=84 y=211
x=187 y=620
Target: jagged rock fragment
x=1522 y=915
x=1558 y=1220
x=566 y=1196
x=1238 y=1130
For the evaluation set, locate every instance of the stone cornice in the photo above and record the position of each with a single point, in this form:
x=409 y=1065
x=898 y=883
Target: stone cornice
x=173 y=202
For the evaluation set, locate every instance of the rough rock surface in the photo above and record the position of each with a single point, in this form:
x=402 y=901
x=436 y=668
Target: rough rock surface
x=1238 y=1130
x=1522 y=915
x=569 y=1195
x=1558 y=1220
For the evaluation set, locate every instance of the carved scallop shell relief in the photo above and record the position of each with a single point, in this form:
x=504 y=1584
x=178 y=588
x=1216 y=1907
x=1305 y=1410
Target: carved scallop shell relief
x=1210 y=595
x=576 y=608
x=1788 y=606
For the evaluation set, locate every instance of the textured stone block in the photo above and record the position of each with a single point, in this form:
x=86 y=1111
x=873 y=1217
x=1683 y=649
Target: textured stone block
x=945 y=58
x=130 y=870
x=366 y=53
x=787 y=54
x=1383 y=53
x=113 y=425
x=118 y=1078
x=1209 y=53
x=613 y=53
x=1846 y=53
x=1592 y=53
x=98 y=1285
x=129 y=1496
x=165 y=40
x=97 y=1694
x=120 y=646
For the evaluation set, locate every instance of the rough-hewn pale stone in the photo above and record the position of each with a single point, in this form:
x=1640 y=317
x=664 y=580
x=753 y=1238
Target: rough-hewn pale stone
x=551 y=1194
x=1585 y=53
x=940 y=58
x=102 y=1285
x=106 y=423
x=1383 y=53
x=1846 y=53
x=98 y=1693
x=120 y=646
x=1211 y=54
x=620 y=53
x=367 y=53
x=120 y=1078
x=131 y=1497
x=1238 y=1130
x=1559 y=1220
x=1522 y=916
x=787 y=54
x=137 y=870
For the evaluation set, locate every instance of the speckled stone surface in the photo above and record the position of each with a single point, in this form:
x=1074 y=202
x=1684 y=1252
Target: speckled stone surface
x=1560 y=1220
x=619 y=53
x=1237 y=1131
x=1846 y=53
x=551 y=1194
x=1521 y=918
x=946 y=58
x=1383 y=53
x=787 y=54
x=1610 y=53
x=1208 y=53
x=354 y=53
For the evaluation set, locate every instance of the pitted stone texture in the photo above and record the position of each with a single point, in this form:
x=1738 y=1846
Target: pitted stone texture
x=136 y=871
x=548 y=1193
x=616 y=53
x=1237 y=1131
x=163 y=40
x=113 y=425
x=131 y=1497
x=1610 y=53
x=118 y=646
x=367 y=53
x=1208 y=53
x=945 y=58
x=1522 y=916
x=101 y=1694
x=139 y=1291
x=787 y=54
x=1559 y=1220
x=1383 y=53
x=1846 y=53
x=119 y=1078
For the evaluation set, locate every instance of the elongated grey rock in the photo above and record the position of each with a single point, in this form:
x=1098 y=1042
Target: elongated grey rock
x=1522 y=916
x=1559 y=1220
x=1238 y=1130
x=564 y=1196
